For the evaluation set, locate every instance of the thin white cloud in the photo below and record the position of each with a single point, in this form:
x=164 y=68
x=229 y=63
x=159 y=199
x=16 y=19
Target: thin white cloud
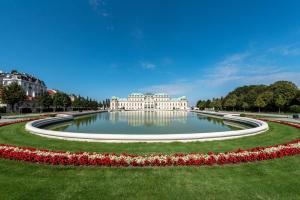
x=234 y=59
x=148 y=65
x=100 y=7
x=96 y=3
x=233 y=71
x=244 y=68
x=178 y=88
x=110 y=28
x=287 y=50
x=167 y=61
x=137 y=33
x=272 y=77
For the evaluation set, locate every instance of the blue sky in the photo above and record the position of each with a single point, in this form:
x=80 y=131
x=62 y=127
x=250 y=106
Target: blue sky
x=201 y=49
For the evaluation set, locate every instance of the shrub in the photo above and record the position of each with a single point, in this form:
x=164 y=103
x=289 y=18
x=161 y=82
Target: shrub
x=243 y=115
x=295 y=108
x=3 y=109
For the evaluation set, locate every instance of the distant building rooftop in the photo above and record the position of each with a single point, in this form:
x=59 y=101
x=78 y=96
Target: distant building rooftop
x=51 y=92
x=22 y=76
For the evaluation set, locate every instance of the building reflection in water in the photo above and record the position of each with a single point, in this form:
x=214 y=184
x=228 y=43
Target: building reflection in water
x=213 y=120
x=148 y=118
x=85 y=120
x=151 y=122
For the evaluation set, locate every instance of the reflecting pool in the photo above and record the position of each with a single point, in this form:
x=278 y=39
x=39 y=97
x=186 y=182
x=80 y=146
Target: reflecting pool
x=144 y=122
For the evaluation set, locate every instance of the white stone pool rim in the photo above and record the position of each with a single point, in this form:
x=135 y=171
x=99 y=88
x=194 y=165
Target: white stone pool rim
x=260 y=127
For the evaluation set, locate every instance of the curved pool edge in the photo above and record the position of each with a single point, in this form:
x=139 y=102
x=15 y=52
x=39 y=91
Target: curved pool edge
x=33 y=127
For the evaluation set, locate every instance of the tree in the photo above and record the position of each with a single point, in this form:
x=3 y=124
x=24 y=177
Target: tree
x=284 y=89
x=45 y=100
x=107 y=103
x=13 y=94
x=94 y=105
x=212 y=103
x=295 y=108
x=76 y=103
x=268 y=96
x=245 y=106
x=264 y=99
x=240 y=101
x=250 y=98
x=298 y=97
x=208 y=104
x=247 y=94
x=218 y=104
x=280 y=101
x=100 y=104
x=201 y=104
x=231 y=101
x=58 y=101
x=66 y=101
x=279 y=95
x=260 y=102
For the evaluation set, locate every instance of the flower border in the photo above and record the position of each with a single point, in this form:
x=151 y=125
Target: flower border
x=42 y=156
x=18 y=121
x=110 y=159
x=296 y=125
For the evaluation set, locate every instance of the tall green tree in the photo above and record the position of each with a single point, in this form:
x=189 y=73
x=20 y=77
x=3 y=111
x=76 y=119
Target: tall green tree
x=100 y=104
x=284 y=89
x=250 y=98
x=58 y=101
x=264 y=100
x=279 y=95
x=280 y=101
x=94 y=105
x=212 y=103
x=66 y=101
x=231 y=101
x=76 y=103
x=245 y=106
x=45 y=100
x=208 y=103
x=218 y=104
x=201 y=104
x=239 y=101
x=295 y=108
x=13 y=94
x=108 y=103
x=298 y=97
x=260 y=102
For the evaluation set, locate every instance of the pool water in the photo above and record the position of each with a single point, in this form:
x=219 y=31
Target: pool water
x=144 y=122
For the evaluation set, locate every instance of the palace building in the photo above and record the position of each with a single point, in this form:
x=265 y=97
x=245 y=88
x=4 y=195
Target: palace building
x=149 y=101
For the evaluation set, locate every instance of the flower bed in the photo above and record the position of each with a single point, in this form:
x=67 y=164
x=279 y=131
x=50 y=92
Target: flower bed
x=111 y=159
x=124 y=160
x=18 y=121
x=283 y=122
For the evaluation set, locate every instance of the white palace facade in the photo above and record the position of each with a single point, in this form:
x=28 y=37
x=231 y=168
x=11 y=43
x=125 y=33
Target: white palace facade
x=149 y=101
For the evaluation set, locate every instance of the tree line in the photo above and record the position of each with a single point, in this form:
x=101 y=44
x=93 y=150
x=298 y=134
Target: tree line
x=279 y=96
x=14 y=94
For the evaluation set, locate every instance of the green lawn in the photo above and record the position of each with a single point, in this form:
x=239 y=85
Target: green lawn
x=273 y=179
x=16 y=135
